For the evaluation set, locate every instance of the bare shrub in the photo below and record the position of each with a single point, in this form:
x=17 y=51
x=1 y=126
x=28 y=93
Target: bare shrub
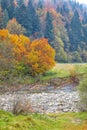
x=83 y=94
x=22 y=107
x=73 y=74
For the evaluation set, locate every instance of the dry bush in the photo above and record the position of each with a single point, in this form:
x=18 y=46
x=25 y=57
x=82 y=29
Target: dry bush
x=83 y=94
x=73 y=74
x=22 y=107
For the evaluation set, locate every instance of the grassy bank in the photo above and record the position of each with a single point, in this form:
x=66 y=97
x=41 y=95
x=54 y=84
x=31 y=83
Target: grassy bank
x=59 y=71
x=66 y=121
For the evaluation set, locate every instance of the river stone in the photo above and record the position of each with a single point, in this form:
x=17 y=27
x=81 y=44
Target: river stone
x=43 y=102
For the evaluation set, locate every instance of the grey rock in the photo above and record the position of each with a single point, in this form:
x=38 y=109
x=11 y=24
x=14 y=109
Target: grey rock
x=61 y=101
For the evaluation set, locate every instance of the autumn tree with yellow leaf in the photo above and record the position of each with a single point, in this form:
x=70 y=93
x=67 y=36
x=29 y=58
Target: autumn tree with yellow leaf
x=41 y=56
x=38 y=56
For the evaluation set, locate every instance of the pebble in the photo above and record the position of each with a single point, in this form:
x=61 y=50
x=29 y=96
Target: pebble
x=43 y=102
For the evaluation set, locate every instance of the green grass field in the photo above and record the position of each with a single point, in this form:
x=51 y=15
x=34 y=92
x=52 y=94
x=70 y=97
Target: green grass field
x=66 y=121
x=63 y=70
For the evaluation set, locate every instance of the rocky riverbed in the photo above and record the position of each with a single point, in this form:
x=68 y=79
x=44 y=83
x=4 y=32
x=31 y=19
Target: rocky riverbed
x=63 y=99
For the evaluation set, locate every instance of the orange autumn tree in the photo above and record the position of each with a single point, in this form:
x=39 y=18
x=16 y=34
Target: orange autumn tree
x=41 y=56
x=4 y=34
x=37 y=55
x=21 y=46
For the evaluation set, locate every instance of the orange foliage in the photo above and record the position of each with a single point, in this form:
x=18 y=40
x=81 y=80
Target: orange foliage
x=38 y=54
x=4 y=34
x=21 y=45
x=41 y=56
x=14 y=39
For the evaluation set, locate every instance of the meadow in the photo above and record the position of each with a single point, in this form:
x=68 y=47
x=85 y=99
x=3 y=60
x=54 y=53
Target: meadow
x=64 y=121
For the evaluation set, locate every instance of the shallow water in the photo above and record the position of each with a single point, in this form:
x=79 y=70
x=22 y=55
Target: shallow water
x=66 y=88
x=69 y=88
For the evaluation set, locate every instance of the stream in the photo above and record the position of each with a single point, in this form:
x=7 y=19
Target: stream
x=49 y=100
x=69 y=88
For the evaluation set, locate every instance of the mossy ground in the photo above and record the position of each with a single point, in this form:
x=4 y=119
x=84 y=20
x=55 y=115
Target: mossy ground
x=66 y=121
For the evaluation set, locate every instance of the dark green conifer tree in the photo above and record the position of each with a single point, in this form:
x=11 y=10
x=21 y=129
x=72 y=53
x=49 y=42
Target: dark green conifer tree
x=22 y=17
x=9 y=6
x=75 y=34
x=33 y=19
x=27 y=17
x=49 y=32
x=5 y=18
x=4 y=4
x=40 y=4
x=1 y=18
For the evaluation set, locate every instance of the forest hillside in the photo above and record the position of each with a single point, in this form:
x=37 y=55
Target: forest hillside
x=62 y=22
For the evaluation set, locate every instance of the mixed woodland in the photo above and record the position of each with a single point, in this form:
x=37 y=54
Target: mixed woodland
x=62 y=22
